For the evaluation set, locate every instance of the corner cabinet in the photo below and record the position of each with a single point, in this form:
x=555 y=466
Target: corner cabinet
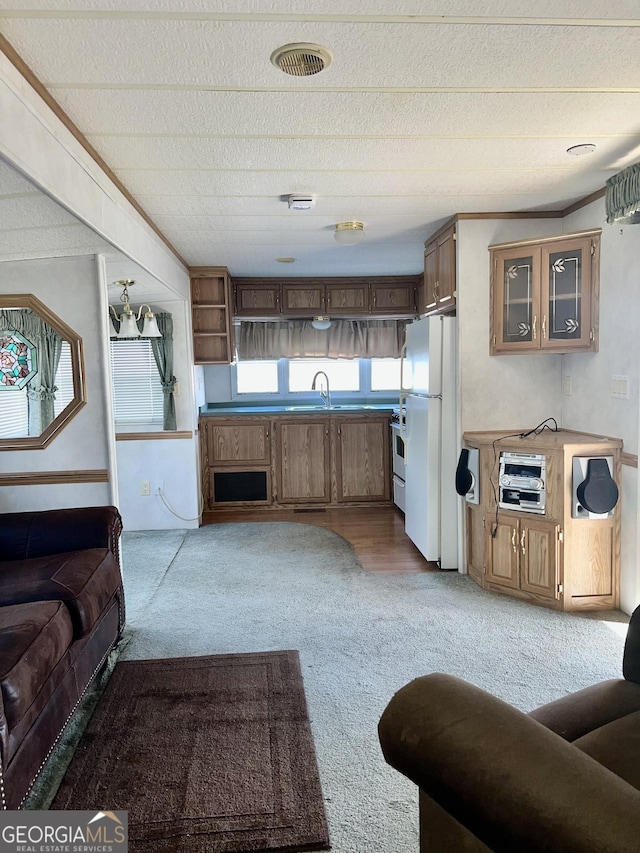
x=437 y=295
x=550 y=558
x=544 y=295
x=211 y=315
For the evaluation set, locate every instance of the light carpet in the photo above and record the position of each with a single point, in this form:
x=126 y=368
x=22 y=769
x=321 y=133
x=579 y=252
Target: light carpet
x=250 y=587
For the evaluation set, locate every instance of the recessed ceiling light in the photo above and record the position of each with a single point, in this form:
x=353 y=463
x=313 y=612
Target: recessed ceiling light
x=286 y=260
x=578 y=150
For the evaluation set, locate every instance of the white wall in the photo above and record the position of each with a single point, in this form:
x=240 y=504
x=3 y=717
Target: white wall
x=591 y=407
x=71 y=288
x=507 y=391
x=171 y=462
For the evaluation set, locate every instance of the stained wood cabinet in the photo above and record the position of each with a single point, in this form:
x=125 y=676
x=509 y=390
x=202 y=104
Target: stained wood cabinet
x=235 y=458
x=438 y=292
x=303 y=461
x=358 y=297
x=211 y=315
x=544 y=295
x=551 y=559
x=295 y=460
x=523 y=554
x=362 y=463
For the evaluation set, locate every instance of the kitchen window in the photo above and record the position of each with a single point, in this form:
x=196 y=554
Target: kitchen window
x=289 y=378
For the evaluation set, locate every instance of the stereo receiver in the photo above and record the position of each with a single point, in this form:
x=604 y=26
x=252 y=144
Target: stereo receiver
x=522 y=482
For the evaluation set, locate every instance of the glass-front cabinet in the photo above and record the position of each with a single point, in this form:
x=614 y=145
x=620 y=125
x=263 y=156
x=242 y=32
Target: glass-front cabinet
x=544 y=294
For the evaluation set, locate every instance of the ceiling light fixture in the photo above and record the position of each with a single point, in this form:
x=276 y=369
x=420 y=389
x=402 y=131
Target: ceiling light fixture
x=583 y=148
x=349 y=233
x=321 y=323
x=301 y=59
x=286 y=260
x=129 y=321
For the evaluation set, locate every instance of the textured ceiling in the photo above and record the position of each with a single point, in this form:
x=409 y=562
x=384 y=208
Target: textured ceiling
x=423 y=113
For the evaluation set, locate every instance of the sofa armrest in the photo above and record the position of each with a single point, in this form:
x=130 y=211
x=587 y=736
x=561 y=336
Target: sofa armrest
x=24 y=535
x=514 y=784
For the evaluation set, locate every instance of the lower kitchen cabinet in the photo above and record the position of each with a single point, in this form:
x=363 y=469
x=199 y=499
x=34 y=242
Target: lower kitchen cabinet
x=362 y=464
x=295 y=460
x=303 y=460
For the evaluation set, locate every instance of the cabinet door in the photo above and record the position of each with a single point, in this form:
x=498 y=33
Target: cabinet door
x=237 y=441
x=303 y=300
x=515 y=295
x=253 y=300
x=502 y=552
x=393 y=298
x=303 y=461
x=539 y=564
x=446 y=276
x=430 y=278
x=566 y=295
x=363 y=462
x=347 y=299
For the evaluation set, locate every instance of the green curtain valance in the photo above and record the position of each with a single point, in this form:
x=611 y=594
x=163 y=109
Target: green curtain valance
x=622 y=197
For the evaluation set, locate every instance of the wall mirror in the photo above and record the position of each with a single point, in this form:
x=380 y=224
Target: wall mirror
x=42 y=382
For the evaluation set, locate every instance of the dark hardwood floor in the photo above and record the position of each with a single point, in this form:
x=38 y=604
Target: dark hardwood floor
x=376 y=532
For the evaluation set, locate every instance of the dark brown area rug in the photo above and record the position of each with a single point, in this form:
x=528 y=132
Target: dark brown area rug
x=207 y=754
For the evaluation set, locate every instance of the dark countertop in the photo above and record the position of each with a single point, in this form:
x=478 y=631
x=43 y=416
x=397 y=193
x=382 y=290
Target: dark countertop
x=213 y=409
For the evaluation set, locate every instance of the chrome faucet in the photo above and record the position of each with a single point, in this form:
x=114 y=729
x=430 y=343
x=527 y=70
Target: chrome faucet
x=324 y=392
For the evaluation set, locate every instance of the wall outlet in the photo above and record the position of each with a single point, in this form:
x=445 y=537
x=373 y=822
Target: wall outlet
x=145 y=487
x=567 y=388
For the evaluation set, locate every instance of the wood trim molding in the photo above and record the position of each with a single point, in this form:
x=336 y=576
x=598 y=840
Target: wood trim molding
x=630 y=459
x=558 y=238
x=153 y=436
x=49 y=478
x=583 y=202
x=16 y=60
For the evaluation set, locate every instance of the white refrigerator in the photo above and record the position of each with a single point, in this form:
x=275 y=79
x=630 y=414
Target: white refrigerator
x=429 y=430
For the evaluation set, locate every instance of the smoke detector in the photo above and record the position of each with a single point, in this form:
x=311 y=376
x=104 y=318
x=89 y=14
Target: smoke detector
x=301 y=202
x=301 y=59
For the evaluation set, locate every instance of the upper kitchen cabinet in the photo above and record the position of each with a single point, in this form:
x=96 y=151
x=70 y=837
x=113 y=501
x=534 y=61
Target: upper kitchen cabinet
x=544 y=294
x=393 y=297
x=304 y=299
x=211 y=315
x=437 y=293
x=357 y=297
x=259 y=299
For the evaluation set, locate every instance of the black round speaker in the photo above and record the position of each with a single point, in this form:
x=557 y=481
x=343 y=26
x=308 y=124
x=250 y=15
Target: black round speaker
x=598 y=492
x=464 y=477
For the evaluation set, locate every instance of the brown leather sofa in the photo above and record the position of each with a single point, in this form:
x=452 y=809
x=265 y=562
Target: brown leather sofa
x=564 y=778
x=61 y=613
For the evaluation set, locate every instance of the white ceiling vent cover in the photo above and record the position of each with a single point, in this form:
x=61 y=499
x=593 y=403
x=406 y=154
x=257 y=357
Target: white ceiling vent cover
x=301 y=59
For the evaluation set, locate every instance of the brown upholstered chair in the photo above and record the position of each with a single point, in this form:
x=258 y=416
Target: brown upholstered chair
x=564 y=778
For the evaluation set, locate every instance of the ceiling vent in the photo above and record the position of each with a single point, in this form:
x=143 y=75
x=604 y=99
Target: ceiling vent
x=301 y=59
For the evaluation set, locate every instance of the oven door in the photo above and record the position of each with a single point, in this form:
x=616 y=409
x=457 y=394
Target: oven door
x=397 y=451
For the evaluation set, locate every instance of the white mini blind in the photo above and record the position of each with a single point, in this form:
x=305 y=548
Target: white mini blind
x=14 y=413
x=137 y=392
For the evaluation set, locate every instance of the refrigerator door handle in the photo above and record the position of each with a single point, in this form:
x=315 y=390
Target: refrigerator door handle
x=403 y=355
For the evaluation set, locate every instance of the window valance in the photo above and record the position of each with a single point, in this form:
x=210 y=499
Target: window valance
x=622 y=197
x=343 y=339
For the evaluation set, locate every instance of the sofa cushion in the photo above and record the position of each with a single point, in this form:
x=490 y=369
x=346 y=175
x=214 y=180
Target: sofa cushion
x=84 y=580
x=617 y=747
x=34 y=637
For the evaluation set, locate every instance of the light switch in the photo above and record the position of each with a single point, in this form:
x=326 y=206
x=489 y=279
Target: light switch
x=620 y=387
